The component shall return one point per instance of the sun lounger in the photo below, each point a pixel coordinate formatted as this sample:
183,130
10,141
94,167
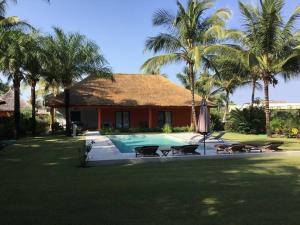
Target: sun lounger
223,148
217,137
146,151
272,146
185,149
209,137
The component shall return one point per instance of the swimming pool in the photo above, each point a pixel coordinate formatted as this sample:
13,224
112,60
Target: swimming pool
127,143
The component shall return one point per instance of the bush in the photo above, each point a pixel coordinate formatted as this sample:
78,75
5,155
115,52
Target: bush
181,129
277,125
6,128
247,121
285,123
167,128
57,126
216,123
7,125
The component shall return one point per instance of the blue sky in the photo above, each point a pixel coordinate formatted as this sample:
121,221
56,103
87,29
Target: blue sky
120,27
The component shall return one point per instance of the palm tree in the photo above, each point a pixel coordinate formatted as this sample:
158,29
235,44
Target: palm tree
230,74
10,21
73,56
270,41
188,33
184,78
11,64
34,69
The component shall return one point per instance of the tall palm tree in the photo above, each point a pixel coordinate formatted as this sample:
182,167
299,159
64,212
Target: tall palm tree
187,35
270,41
73,56
34,68
11,64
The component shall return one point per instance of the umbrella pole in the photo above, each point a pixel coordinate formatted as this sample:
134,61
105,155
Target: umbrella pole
204,144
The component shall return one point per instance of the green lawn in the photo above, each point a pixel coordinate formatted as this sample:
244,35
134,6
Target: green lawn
289,143
41,184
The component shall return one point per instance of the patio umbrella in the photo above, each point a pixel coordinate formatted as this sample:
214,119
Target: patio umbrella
203,121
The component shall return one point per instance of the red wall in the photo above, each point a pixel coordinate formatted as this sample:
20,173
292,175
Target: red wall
181,116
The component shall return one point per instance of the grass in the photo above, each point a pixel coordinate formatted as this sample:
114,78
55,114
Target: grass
42,184
289,143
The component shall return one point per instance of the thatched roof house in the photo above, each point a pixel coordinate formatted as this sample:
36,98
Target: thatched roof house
8,108
130,100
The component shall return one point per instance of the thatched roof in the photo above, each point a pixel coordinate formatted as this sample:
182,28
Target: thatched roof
8,97
127,90
2,101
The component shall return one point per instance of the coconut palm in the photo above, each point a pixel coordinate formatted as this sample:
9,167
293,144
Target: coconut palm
10,21
73,56
187,35
230,74
270,41
11,64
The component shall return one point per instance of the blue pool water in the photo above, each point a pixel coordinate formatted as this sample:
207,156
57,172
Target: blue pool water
127,143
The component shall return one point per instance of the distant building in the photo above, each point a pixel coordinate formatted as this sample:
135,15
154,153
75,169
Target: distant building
274,105
7,108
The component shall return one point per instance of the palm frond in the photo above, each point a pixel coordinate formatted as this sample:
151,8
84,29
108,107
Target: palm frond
163,42
161,60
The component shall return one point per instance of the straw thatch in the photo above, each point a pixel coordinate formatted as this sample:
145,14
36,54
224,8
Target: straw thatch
8,97
2,101
127,90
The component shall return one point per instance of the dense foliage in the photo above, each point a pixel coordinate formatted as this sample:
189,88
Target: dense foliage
6,125
247,121
285,123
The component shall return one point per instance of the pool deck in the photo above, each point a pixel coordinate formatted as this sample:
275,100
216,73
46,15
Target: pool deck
105,152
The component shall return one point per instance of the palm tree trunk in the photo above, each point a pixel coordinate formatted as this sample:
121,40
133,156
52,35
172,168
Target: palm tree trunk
52,115
226,108
33,107
16,83
192,88
267,107
253,93
67,111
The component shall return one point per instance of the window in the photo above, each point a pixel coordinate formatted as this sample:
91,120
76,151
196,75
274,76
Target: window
164,117
75,116
122,120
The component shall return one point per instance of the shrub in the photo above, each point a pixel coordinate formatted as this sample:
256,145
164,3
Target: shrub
167,128
216,123
181,129
6,128
57,127
277,125
285,123
7,125
247,121
83,154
